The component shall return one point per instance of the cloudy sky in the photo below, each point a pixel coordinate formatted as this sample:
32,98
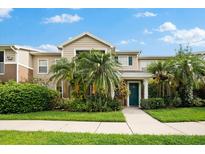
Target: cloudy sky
152,31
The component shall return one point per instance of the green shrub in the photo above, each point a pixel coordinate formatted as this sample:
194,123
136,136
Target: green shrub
152,90
26,97
198,102
94,103
102,103
176,102
76,105
152,103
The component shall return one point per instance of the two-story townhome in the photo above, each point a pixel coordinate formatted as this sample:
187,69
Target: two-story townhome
23,64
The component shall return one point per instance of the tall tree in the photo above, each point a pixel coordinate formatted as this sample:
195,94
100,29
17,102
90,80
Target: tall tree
99,69
63,70
188,70
162,77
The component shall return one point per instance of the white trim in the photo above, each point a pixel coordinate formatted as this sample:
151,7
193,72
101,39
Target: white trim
3,63
10,62
62,55
25,66
83,34
17,66
139,91
47,66
62,86
89,49
17,61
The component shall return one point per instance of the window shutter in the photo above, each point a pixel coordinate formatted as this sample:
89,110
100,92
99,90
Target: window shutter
130,60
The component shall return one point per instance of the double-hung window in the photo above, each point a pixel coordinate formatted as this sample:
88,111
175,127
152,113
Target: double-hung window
125,60
43,66
1,62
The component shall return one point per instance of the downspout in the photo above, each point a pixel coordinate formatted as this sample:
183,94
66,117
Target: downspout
17,65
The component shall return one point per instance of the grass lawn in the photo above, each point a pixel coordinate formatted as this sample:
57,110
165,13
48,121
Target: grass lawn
50,138
67,116
178,114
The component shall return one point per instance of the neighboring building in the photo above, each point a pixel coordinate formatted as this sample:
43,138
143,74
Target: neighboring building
23,64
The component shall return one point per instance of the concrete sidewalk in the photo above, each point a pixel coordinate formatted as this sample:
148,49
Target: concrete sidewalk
138,122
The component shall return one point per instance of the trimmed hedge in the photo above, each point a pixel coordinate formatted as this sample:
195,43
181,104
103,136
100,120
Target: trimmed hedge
152,103
26,97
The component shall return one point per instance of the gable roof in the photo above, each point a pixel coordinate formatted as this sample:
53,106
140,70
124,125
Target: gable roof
26,48
84,34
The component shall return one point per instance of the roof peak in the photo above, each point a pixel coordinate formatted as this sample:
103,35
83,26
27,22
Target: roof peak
83,34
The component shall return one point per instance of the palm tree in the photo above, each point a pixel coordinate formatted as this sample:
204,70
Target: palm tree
99,69
162,77
188,70
63,70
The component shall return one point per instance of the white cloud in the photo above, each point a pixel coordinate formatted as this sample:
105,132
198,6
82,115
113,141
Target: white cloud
5,13
167,39
146,31
124,42
47,47
142,43
167,26
145,14
194,37
63,18
129,41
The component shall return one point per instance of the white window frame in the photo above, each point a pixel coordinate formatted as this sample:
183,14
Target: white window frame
39,66
3,62
75,49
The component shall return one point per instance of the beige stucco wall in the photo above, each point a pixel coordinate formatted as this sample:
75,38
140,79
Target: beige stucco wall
51,60
25,58
85,42
134,65
143,63
10,56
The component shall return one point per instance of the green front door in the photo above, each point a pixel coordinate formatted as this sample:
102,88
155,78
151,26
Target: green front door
134,94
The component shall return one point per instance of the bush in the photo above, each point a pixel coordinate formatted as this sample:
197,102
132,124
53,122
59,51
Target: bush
102,103
172,102
75,105
152,90
198,102
152,103
94,103
26,97
176,102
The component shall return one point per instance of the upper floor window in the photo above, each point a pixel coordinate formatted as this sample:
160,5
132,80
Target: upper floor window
125,60
1,62
43,66
130,60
